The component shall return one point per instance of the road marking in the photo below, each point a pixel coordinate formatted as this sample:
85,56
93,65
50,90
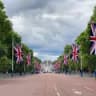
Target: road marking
58,94
90,89
73,89
55,88
78,92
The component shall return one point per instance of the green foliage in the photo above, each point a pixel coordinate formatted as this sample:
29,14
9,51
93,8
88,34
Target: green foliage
1,5
3,50
7,35
5,64
37,59
67,49
88,61
83,41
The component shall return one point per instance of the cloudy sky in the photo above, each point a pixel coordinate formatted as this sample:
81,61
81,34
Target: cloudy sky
47,26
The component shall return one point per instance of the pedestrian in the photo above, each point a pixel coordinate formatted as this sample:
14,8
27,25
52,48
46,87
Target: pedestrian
81,72
95,73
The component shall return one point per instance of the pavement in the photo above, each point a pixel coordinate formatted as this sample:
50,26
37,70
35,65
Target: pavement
48,84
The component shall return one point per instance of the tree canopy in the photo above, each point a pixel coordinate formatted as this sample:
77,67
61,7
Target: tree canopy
88,61
7,35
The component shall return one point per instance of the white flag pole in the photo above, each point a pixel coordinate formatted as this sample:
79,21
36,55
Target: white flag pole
12,54
81,62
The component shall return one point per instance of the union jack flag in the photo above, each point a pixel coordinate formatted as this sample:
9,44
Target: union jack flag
57,65
18,54
75,52
65,59
93,38
37,65
28,57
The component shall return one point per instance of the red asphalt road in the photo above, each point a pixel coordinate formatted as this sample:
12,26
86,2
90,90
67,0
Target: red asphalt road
48,85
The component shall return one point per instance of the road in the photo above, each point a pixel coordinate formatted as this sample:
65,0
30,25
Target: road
48,85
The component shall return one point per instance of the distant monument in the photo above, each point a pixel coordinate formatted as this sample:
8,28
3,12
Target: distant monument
47,66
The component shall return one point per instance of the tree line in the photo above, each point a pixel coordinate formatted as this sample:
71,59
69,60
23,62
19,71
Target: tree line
7,34
88,60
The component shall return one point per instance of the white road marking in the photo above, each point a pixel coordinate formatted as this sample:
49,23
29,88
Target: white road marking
89,89
55,88
73,89
57,93
78,92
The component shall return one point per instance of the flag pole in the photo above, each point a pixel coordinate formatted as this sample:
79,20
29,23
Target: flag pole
81,69
12,54
81,62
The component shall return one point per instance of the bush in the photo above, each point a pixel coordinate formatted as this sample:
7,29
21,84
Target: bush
5,64
89,62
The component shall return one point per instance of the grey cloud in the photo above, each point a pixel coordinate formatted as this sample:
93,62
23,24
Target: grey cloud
14,7
48,25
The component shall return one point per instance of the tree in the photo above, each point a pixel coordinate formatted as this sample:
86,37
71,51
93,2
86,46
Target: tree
68,49
7,36
5,64
84,43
